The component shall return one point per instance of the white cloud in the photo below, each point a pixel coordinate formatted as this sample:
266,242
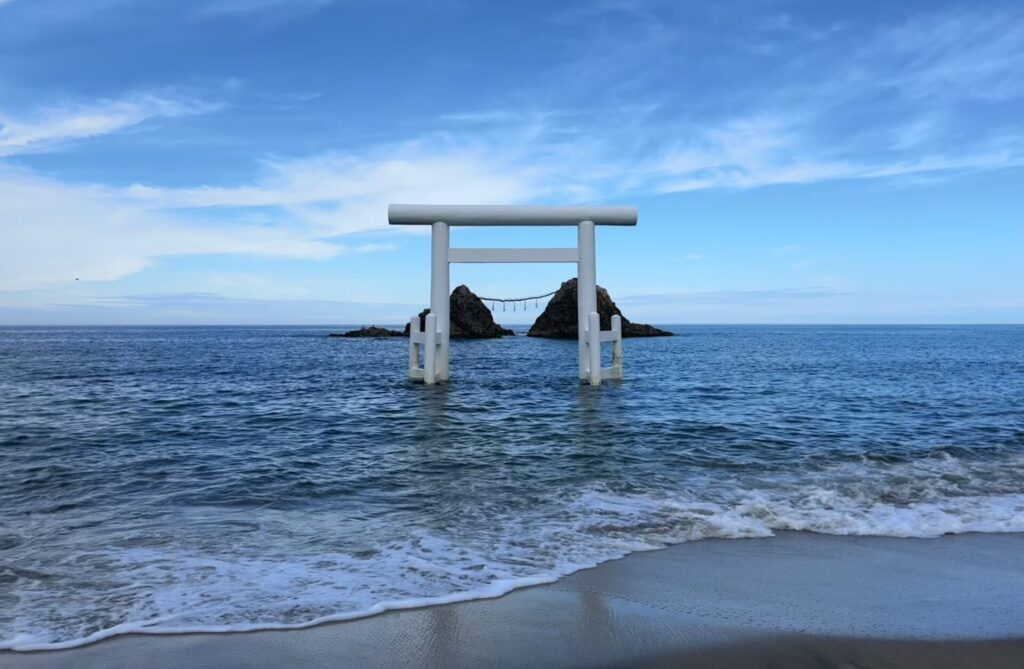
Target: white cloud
52,126
414,172
373,248
338,194
55,233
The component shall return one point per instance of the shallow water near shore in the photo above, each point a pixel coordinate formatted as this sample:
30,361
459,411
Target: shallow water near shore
168,479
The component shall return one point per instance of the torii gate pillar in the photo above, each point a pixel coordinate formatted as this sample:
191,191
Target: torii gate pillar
435,334
586,295
439,290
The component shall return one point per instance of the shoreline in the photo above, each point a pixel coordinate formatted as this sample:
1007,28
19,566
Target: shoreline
798,597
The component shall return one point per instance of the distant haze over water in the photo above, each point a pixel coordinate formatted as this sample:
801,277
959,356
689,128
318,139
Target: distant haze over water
169,479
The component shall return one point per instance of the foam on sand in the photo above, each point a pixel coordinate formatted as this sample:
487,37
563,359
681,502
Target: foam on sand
278,583
801,598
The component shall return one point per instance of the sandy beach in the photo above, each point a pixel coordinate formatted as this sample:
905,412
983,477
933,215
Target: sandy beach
794,600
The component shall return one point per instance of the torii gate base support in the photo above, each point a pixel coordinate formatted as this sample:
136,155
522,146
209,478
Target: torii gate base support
432,338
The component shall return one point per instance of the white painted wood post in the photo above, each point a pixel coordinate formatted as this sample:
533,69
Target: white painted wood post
414,347
617,346
430,350
439,290
594,347
586,288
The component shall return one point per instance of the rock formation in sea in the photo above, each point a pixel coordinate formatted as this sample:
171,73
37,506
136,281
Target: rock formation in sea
470,318
371,331
559,320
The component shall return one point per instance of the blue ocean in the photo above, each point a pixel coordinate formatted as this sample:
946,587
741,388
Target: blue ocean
172,479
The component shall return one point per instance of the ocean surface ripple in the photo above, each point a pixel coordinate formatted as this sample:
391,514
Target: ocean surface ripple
172,479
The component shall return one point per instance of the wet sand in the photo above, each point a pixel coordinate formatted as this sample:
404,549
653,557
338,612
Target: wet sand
795,600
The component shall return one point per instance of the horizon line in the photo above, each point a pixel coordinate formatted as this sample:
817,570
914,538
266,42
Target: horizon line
403,324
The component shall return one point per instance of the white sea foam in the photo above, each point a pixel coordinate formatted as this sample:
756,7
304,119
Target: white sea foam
279,582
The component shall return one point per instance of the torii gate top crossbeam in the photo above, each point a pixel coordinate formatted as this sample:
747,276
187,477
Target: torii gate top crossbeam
496,215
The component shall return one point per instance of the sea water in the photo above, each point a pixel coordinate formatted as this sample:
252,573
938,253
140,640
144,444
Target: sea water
173,479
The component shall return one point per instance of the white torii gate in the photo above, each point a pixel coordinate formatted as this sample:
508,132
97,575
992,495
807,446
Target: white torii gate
433,338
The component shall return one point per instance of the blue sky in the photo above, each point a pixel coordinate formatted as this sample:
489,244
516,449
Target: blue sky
231,161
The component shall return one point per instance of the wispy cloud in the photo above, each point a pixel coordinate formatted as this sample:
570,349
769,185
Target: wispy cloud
952,54
53,126
485,116
888,103
891,101
751,153
56,233
236,7
597,131
298,207
337,194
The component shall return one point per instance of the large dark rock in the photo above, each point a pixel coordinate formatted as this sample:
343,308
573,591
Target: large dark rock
372,331
470,318
559,320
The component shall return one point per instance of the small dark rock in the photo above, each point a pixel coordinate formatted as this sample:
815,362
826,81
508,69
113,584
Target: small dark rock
372,331
559,320
470,318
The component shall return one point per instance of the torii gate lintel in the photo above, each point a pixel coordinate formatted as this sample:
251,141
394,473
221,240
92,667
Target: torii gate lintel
434,336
